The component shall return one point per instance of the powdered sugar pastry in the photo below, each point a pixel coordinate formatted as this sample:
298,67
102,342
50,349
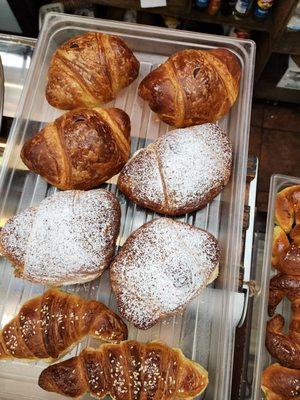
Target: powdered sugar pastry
160,268
69,238
181,171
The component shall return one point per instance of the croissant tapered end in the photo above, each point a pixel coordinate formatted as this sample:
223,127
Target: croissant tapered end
285,348
66,378
81,149
108,326
233,66
280,245
127,371
287,207
193,381
280,383
36,156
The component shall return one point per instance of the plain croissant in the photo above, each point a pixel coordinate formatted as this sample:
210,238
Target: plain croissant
89,70
81,149
48,325
284,347
193,87
127,371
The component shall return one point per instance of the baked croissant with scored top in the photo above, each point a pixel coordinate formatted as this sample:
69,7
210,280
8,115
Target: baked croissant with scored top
89,70
127,371
81,149
47,326
193,87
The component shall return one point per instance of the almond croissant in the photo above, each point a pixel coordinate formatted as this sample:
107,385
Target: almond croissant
89,70
48,325
127,371
193,87
81,149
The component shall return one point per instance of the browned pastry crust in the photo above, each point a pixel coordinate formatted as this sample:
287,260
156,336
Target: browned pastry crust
48,325
127,371
81,149
280,247
280,383
285,348
89,70
283,285
287,207
193,86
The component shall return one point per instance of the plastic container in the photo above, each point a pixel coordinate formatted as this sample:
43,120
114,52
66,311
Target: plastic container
262,357
205,331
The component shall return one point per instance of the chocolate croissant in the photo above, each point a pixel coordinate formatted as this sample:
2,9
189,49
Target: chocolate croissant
81,149
127,371
280,383
89,70
193,87
49,325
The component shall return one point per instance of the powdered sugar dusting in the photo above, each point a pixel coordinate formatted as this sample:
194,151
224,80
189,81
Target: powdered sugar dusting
195,165
142,174
14,235
72,237
194,161
161,267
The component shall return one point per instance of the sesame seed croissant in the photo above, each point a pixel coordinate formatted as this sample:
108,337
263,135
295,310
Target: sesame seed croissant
127,371
48,325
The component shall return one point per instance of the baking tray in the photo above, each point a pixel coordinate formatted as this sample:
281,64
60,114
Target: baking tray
205,331
262,358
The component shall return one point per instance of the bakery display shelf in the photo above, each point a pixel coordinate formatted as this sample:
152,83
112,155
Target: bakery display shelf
205,330
262,359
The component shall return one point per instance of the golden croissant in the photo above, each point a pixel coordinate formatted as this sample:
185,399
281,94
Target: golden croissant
280,383
49,325
81,149
89,70
193,87
127,371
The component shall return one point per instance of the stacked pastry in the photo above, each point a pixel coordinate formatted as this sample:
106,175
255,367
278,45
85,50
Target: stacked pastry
283,379
71,236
